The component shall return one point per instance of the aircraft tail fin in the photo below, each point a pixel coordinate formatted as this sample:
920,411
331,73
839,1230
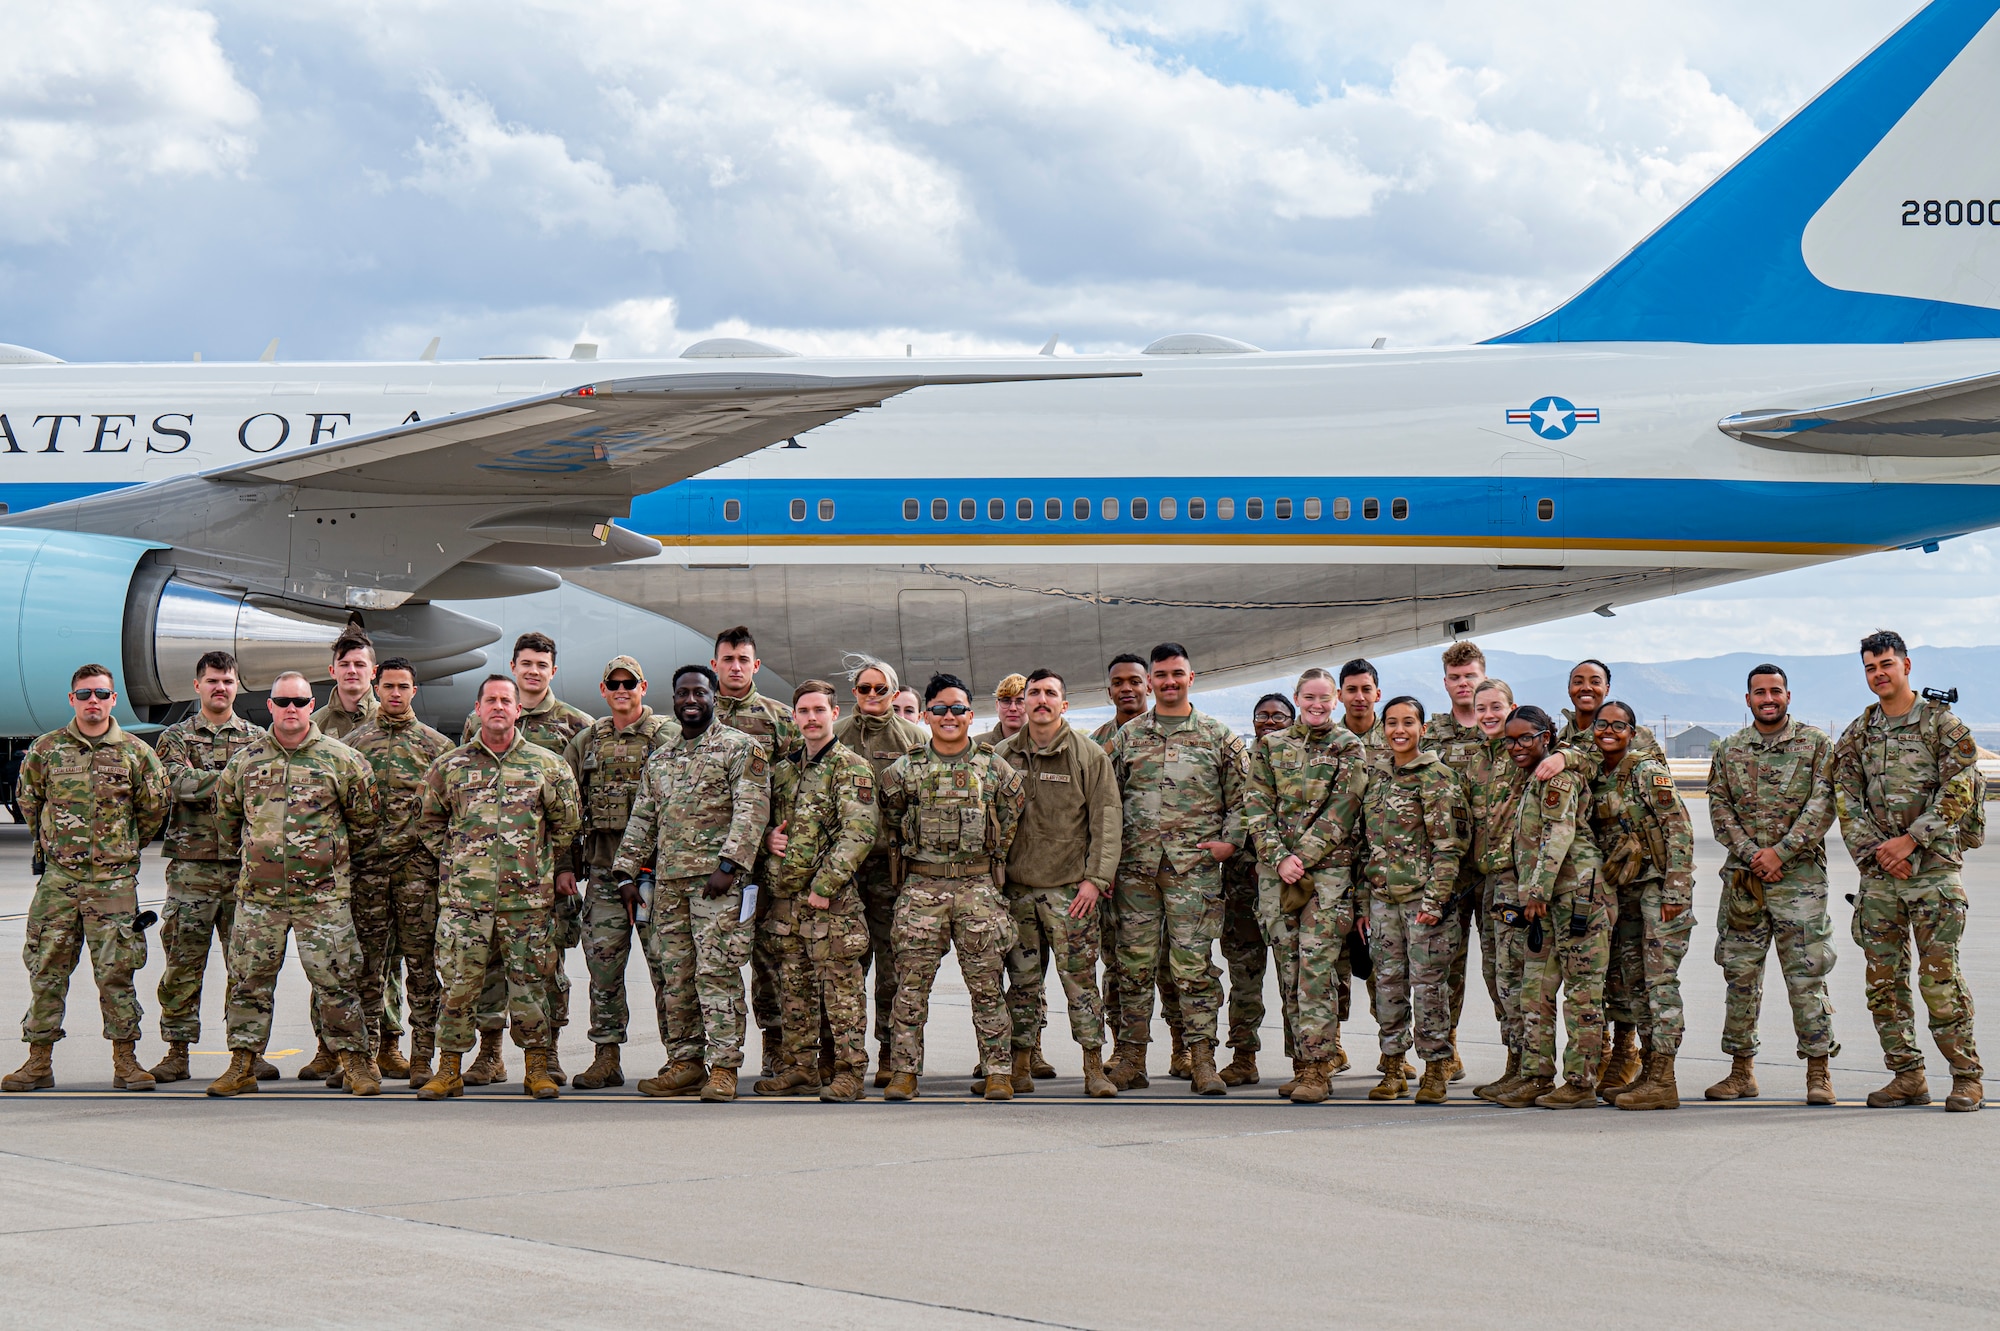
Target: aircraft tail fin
1850,222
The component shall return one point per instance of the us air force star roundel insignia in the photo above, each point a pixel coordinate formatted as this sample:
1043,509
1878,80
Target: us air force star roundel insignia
1552,417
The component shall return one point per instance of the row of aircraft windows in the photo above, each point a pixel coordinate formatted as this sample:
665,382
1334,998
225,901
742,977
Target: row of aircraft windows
1108,509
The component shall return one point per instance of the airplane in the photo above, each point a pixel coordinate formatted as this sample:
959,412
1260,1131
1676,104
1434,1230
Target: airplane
1802,364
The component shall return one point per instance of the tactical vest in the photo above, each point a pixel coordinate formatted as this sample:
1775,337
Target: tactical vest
946,818
612,763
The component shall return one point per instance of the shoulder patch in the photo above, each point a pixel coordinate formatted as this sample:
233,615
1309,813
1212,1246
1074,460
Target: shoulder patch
1552,797
1665,779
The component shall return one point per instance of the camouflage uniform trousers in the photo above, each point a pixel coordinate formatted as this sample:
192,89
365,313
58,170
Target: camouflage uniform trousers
931,915
878,904
1625,972
64,914
1662,1022
1043,928
1412,987
1170,997
1320,951
563,934
1794,919
474,940
201,904
607,951
409,893
1247,956
1504,950
819,975
1572,966
1180,915
697,949
328,950
1928,910
1471,924
767,990
1283,933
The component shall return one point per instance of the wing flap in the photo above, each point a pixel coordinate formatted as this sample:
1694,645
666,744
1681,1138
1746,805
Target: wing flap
1959,418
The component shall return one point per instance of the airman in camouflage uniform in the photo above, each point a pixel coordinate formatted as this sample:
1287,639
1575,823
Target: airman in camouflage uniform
93,801
703,803
298,814
1772,791
496,823
1493,786
1303,801
608,760
1466,750
1246,946
1907,789
825,819
201,873
952,818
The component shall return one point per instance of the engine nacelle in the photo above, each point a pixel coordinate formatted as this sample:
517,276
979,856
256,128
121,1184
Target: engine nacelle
63,597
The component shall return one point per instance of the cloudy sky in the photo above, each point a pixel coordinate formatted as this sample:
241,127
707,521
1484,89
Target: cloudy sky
356,178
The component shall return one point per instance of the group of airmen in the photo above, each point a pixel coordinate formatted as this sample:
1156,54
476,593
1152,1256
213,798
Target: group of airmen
1349,839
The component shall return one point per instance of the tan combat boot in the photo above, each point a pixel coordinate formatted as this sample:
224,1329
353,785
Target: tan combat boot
1905,1088
1968,1092
556,1073
1657,1089
1504,1080
1525,1092
720,1087
490,1064
1299,1066
449,1083
1313,1085
1569,1095
174,1067
37,1074
263,1069
603,1071
1203,1079
882,1073
360,1073
1457,1065
126,1074
1341,1062
792,1079
1740,1084
1023,1076
1127,1069
1819,1082
1179,1063
423,1048
1437,1077
241,1077
323,1065
844,1089
1393,1086
999,1086
1622,1066
1040,1066
1095,1084
535,1078
389,1060
678,1078
902,1086
1242,1069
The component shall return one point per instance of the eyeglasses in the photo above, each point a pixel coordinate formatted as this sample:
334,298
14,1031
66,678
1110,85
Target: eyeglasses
620,685
948,709
870,690
291,702
1521,741
1616,727
84,695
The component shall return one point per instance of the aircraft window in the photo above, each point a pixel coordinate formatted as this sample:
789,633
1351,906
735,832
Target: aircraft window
968,509
996,509
1108,509
1081,509
1024,509
938,510
1052,509
1253,509
1545,509
1138,508
910,510
1312,510
798,510
1341,510
1399,509
732,510
1371,509
1284,510
1225,509
1197,509
1168,508
826,510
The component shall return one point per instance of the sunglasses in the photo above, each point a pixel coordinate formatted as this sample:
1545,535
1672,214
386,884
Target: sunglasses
291,702
83,695
871,690
949,709
621,685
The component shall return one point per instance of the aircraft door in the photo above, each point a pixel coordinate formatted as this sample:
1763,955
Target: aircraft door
935,639
1527,506
717,532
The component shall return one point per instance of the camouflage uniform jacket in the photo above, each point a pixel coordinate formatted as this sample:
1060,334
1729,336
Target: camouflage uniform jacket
700,801
496,824
1182,785
93,802
1374,744
1418,827
829,811
194,754
1644,742
881,740
550,724
956,810
765,720
1461,747
1553,849
1072,824
1304,796
1899,775
993,739
1772,791
298,814
401,750
336,722
1637,818
608,763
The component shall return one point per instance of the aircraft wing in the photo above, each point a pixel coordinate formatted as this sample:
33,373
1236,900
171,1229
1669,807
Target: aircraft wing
614,439
1959,418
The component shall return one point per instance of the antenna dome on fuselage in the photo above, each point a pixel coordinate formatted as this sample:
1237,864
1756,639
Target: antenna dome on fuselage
732,348
1198,344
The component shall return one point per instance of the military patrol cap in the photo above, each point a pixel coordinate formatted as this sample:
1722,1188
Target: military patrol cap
625,663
